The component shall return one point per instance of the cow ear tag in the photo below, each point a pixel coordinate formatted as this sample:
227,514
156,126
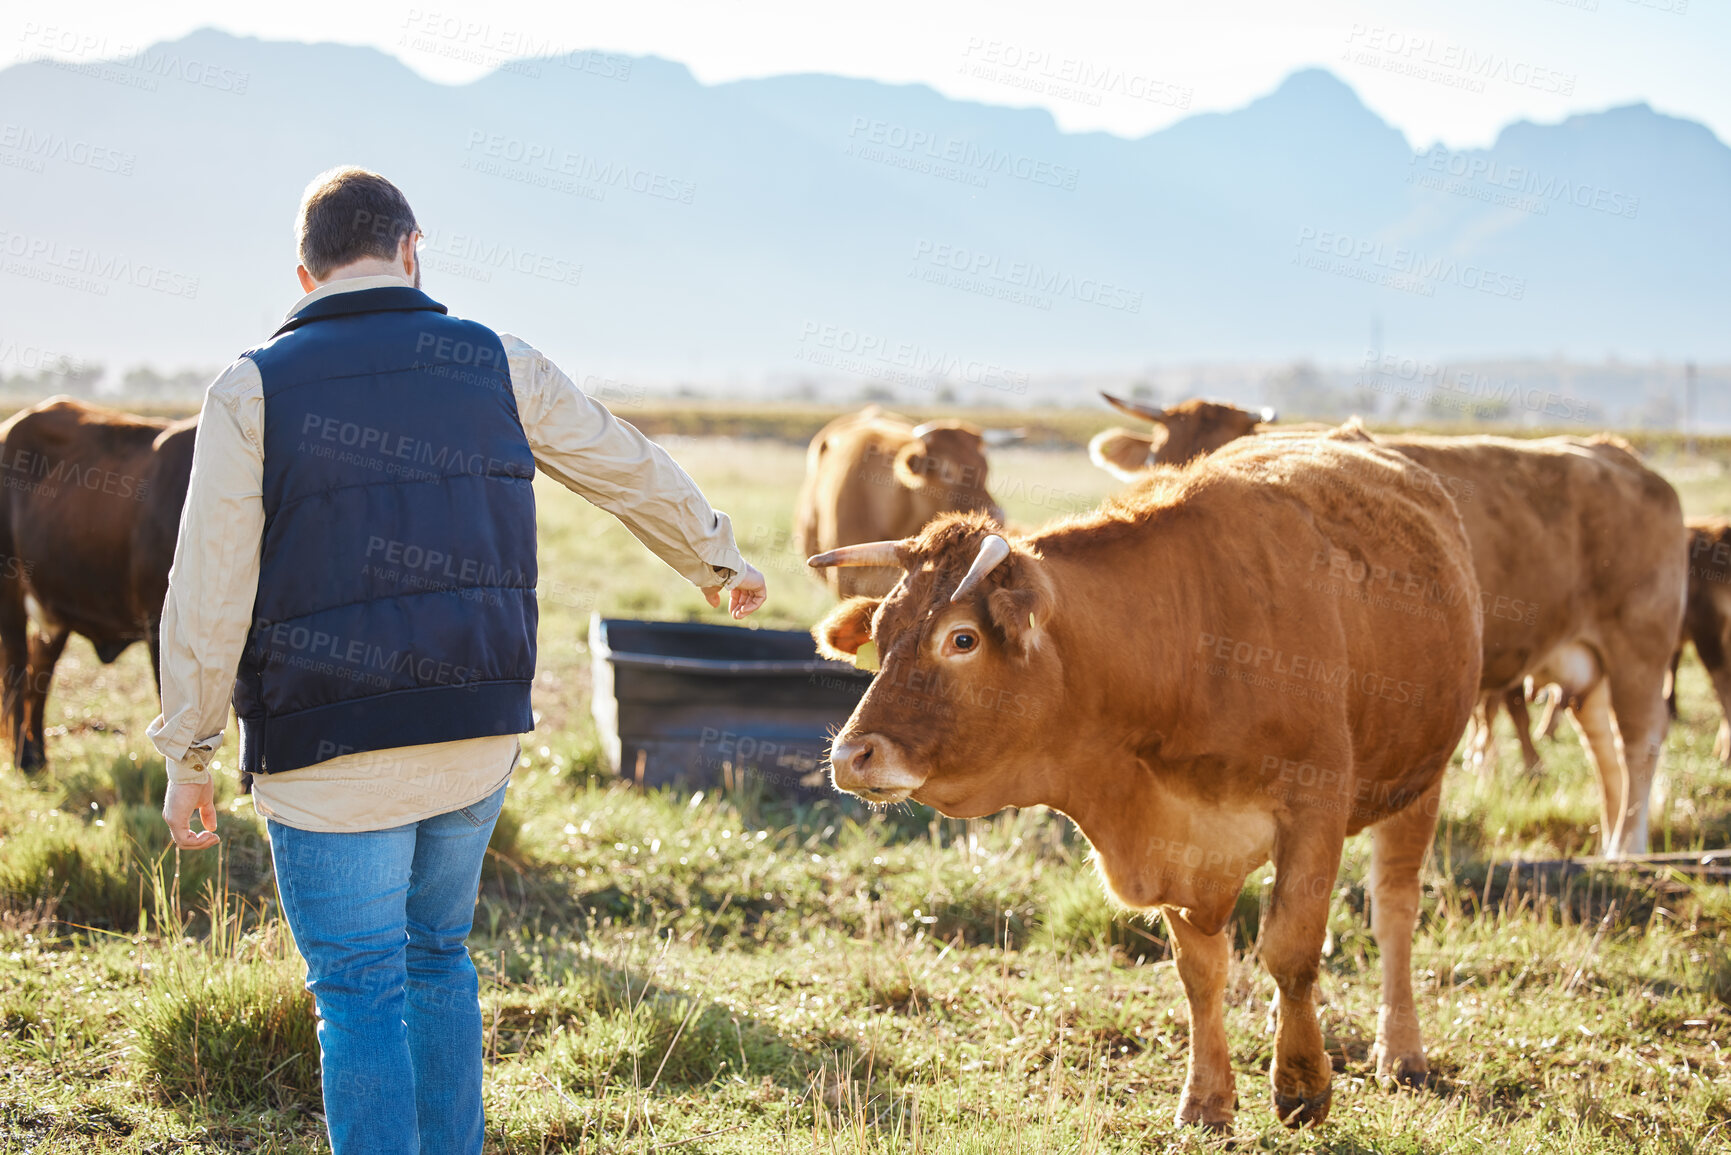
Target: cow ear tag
866,657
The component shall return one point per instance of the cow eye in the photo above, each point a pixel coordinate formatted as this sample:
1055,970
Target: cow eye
963,640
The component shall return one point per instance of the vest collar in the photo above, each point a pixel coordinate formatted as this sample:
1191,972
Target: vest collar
386,299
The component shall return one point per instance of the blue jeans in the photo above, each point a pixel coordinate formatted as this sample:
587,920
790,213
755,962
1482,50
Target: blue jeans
381,918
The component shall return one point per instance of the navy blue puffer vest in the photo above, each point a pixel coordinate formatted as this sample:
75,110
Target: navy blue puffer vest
396,595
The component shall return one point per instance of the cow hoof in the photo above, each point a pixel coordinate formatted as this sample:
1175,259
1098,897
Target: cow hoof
32,763
1302,1110
1212,1112
1409,1070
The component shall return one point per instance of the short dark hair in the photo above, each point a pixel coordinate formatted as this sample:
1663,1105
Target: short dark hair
348,214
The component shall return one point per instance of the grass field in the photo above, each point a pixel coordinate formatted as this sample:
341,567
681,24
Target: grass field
738,974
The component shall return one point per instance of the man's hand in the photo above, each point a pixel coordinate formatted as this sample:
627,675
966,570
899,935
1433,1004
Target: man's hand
748,593
177,806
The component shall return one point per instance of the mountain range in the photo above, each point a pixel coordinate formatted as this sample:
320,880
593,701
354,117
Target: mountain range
639,225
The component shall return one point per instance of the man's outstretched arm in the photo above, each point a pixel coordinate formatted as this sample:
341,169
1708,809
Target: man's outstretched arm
580,444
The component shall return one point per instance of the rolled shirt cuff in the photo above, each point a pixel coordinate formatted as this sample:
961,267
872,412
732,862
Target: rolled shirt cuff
725,568
193,768
182,774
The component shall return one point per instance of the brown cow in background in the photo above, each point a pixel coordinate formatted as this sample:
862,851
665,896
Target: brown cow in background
872,475
88,519
1581,557
1169,673
1707,620
1184,431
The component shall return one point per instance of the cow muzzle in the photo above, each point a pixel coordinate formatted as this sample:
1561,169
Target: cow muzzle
874,768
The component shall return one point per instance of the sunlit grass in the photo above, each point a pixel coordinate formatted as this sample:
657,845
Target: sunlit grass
741,974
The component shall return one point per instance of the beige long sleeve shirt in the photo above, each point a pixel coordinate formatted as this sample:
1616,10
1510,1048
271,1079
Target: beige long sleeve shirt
214,581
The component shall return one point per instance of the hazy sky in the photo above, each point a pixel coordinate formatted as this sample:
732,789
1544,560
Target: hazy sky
1453,71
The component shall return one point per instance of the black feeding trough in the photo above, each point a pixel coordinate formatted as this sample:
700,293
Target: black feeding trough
702,705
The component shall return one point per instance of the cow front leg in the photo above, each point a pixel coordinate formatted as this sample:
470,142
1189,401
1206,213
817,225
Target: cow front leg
1399,845
15,645
1306,862
1210,1097
45,650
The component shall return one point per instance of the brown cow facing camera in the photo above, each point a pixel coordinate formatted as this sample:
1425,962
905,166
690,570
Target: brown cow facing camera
88,518
873,475
1192,676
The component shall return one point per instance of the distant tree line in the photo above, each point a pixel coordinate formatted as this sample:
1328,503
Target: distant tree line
86,379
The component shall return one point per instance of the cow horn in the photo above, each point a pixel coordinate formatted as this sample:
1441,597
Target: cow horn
866,553
923,428
993,550
1135,408
1269,415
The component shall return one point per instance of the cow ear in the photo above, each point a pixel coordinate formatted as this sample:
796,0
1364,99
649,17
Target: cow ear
1121,452
845,629
910,466
1022,608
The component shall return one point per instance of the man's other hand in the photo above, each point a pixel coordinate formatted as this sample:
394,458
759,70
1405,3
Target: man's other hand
746,594
177,809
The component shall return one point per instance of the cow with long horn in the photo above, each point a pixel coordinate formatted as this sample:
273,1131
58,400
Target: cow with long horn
1194,676
872,475
1181,432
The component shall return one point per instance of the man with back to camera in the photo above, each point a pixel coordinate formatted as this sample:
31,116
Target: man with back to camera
356,566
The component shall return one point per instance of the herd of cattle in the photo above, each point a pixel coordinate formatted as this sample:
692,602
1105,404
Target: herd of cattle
1272,638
